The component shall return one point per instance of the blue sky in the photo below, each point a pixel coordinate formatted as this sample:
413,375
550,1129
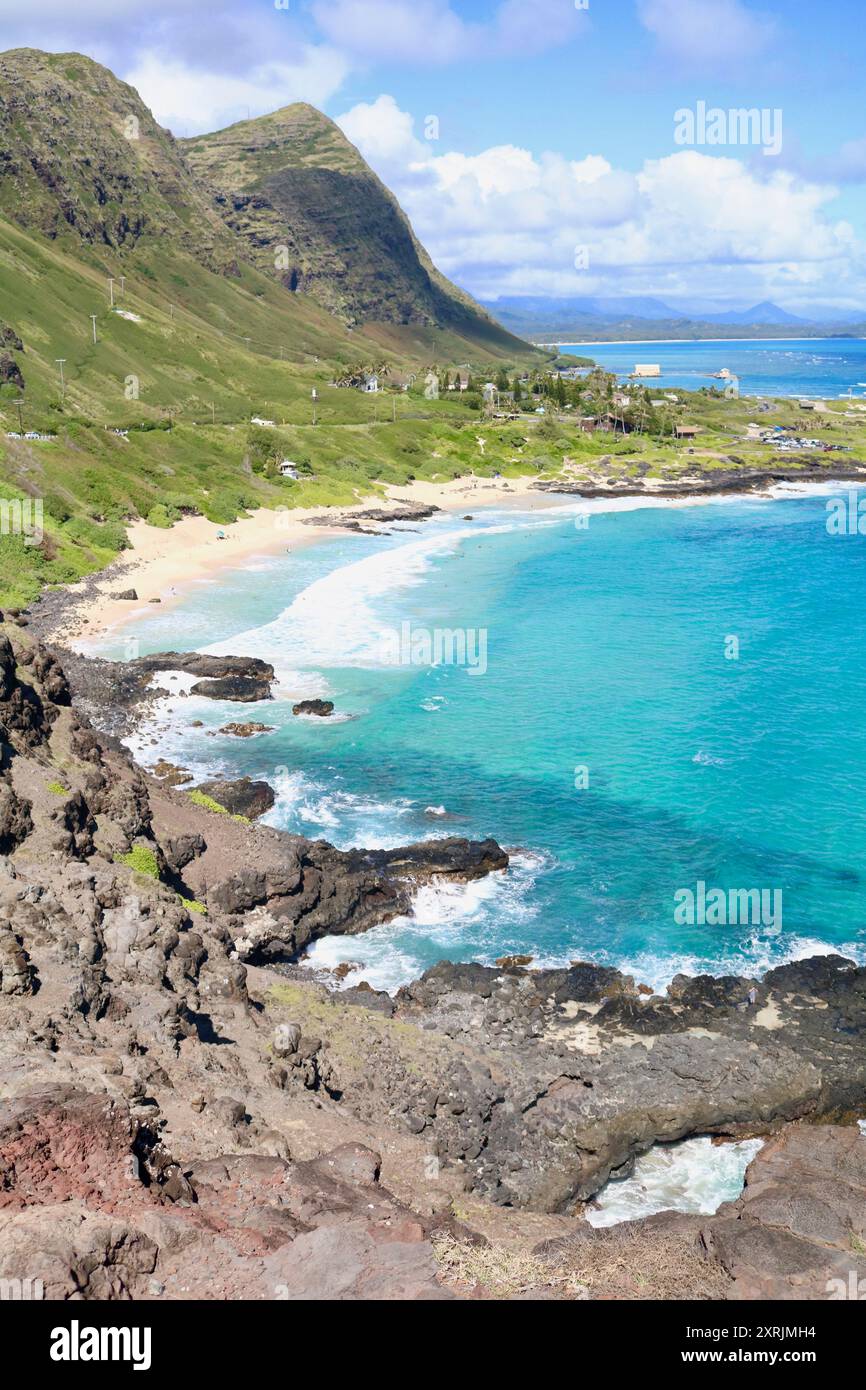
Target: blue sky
540,146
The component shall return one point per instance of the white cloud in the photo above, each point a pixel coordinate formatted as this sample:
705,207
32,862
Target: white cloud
430,32
196,66
190,101
384,133
394,30
509,221
711,33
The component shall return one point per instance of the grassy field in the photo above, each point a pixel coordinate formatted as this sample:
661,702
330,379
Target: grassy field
92,481
203,353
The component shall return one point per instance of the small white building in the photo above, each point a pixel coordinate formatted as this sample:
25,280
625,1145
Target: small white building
289,469
644,369
266,424
370,384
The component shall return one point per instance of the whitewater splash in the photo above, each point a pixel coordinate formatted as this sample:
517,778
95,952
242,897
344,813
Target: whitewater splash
695,1175
311,807
333,621
395,954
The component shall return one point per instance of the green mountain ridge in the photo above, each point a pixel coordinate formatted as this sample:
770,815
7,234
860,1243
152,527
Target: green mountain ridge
85,164
313,212
83,161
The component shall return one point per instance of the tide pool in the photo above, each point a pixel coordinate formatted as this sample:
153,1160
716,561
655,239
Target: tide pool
672,696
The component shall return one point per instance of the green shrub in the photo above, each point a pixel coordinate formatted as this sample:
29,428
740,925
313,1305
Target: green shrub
193,905
141,860
206,802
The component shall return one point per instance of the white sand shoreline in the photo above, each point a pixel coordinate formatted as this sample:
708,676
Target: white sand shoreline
162,564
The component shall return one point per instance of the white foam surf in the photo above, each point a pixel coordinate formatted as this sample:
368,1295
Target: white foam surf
695,1175
494,909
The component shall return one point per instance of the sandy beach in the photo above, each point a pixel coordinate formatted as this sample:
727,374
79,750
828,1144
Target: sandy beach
160,564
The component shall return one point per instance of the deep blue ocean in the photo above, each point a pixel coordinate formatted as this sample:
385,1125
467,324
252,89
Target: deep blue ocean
825,368
672,695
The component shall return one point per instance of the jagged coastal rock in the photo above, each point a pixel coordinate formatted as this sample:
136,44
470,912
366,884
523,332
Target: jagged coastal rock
242,797
322,708
152,1005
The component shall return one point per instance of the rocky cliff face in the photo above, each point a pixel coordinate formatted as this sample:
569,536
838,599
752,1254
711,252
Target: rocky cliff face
189,1114
312,211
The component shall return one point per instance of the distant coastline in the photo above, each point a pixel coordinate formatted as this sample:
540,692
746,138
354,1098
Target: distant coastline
624,342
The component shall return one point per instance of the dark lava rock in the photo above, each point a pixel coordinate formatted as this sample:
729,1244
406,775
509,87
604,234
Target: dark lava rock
241,690
10,372
462,858
368,998
211,667
128,595
180,850
10,339
243,730
15,820
321,707
243,797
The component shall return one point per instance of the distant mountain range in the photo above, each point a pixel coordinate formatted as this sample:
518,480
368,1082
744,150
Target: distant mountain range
642,316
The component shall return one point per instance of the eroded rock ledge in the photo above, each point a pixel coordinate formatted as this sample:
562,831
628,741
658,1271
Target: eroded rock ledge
149,1008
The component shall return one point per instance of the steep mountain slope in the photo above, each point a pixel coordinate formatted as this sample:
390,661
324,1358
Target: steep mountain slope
83,163
313,211
84,160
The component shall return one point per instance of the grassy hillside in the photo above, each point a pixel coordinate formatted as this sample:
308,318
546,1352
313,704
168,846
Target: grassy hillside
84,162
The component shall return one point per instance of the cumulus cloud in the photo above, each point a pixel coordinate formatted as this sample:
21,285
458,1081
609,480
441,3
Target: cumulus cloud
189,101
384,133
849,164
710,33
508,221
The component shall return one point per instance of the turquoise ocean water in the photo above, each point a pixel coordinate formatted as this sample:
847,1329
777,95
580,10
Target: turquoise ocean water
610,744
819,367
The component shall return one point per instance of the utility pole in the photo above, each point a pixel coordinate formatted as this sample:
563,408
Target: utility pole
19,402
122,286
315,395
281,352
93,320
111,289
212,413
394,409
60,361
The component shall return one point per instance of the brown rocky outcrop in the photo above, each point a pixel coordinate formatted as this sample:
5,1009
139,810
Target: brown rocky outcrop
242,797
147,978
